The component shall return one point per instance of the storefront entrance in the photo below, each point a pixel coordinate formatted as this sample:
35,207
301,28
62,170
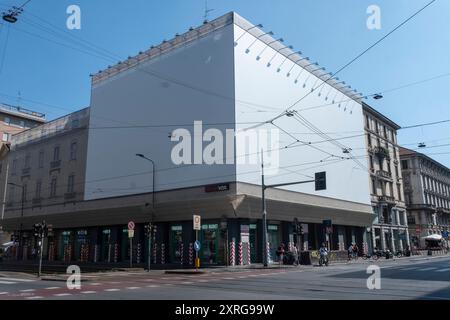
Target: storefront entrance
253,243
273,239
65,241
176,239
105,245
81,240
209,238
124,245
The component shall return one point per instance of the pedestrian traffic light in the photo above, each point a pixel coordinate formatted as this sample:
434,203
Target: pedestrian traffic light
321,181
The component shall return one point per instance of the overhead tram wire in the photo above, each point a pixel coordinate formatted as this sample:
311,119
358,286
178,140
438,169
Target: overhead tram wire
352,61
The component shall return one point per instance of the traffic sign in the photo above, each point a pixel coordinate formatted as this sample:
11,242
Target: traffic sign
131,225
197,245
130,233
197,222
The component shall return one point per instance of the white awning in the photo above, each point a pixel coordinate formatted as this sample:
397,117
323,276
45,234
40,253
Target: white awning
433,237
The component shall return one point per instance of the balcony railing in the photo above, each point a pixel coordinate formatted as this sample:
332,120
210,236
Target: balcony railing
386,199
70,195
384,174
55,164
26,171
381,152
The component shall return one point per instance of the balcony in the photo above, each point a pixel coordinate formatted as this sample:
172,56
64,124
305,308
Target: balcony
70,195
55,164
26,171
381,152
386,199
384,175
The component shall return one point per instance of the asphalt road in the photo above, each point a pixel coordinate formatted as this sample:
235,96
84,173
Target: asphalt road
400,280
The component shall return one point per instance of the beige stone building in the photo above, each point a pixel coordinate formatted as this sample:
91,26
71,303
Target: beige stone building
13,120
427,192
390,227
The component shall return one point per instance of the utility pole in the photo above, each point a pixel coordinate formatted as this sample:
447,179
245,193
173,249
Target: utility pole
40,232
320,181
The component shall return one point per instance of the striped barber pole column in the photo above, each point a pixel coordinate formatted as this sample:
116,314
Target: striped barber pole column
116,252
155,249
181,253
163,253
248,254
232,254
269,258
240,261
365,247
191,254
138,253
96,253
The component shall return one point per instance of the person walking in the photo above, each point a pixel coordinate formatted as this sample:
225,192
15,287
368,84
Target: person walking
355,251
280,253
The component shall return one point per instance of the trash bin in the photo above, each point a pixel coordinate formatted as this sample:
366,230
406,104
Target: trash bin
305,258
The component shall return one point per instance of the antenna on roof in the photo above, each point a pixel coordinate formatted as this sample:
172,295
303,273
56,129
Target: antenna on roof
207,11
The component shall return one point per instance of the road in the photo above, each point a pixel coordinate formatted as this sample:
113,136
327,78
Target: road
402,279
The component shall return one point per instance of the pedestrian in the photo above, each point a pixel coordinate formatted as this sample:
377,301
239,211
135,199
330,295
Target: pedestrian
295,254
350,252
280,253
355,251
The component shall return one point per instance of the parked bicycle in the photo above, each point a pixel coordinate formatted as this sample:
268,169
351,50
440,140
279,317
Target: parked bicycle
371,256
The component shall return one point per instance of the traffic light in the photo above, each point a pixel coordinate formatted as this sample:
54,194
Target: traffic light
148,230
321,181
36,230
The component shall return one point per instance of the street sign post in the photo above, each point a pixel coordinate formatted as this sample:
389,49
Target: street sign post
197,222
131,226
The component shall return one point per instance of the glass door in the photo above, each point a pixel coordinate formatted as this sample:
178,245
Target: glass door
209,238
253,243
106,237
272,237
176,239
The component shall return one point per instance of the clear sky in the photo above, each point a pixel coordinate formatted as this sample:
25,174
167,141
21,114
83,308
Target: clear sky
54,78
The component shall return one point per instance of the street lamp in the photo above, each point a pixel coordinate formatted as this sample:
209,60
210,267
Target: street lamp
21,214
153,207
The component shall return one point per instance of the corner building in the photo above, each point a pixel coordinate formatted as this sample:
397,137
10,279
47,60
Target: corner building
230,75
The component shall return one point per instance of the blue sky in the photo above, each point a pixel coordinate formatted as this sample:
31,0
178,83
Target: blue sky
54,79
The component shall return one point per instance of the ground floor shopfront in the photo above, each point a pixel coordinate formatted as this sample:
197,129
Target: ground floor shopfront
223,242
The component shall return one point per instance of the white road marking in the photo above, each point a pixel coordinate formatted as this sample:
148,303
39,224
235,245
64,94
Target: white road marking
443,270
149,280
7,282
88,292
133,288
228,278
186,282
153,286
95,284
27,290
112,290
17,279
35,297
3,293
203,280
52,288
427,269
62,294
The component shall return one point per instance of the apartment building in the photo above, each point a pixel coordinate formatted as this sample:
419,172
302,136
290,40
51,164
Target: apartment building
390,227
46,170
13,119
427,194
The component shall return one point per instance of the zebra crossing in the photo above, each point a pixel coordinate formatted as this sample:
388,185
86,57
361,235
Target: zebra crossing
12,281
425,269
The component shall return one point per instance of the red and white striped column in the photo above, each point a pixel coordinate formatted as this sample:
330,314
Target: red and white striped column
182,253
232,254
269,258
138,253
163,253
240,258
116,252
155,249
191,254
248,254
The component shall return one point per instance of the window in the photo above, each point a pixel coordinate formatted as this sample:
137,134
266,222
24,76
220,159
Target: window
369,140
25,189
73,151
7,120
53,187
26,164
404,164
56,153
70,184
11,193
14,167
374,187
6,136
75,123
38,190
41,159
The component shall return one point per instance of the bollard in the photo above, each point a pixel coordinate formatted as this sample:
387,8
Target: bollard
191,254
138,253
116,252
155,247
248,253
232,254
181,253
240,260
163,255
